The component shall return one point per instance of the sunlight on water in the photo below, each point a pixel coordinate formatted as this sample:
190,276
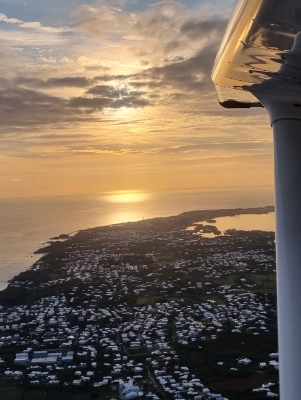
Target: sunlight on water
247,222
127,196
28,222
126,216
242,222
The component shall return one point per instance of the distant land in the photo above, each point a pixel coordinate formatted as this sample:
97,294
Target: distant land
181,221
152,307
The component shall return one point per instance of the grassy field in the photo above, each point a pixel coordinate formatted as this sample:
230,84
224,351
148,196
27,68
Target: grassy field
148,299
10,391
35,395
181,298
265,283
102,395
152,299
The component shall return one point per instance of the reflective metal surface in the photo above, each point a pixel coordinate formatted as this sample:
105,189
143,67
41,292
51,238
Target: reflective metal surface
259,35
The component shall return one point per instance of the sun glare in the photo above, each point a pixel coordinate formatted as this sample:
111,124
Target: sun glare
127,216
127,196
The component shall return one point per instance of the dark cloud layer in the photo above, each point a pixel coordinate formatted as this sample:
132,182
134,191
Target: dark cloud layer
78,81
22,106
99,103
68,81
186,74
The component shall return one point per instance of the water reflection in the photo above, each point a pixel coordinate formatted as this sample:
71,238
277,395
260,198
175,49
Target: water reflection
209,235
243,222
126,216
26,223
247,222
127,196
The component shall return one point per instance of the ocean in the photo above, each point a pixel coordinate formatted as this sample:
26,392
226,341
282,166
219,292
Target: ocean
28,222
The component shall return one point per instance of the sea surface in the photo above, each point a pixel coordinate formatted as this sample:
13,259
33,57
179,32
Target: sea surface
27,223
244,222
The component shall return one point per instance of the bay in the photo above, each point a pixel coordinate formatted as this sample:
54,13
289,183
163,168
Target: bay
247,222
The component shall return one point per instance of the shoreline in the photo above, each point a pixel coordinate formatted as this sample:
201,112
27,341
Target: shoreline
176,222
180,221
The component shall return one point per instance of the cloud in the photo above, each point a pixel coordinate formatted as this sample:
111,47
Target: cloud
192,73
159,59
31,25
22,106
109,98
187,41
7,20
67,81
195,29
112,91
183,44
166,26
208,150
222,145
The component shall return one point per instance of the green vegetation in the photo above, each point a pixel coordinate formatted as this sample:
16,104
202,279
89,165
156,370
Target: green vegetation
10,390
265,283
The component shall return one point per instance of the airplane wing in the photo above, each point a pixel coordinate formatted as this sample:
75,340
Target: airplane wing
258,36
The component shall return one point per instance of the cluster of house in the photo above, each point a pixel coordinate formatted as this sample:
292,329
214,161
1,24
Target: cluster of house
93,331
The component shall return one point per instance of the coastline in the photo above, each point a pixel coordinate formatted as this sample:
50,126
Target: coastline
180,221
28,223
162,224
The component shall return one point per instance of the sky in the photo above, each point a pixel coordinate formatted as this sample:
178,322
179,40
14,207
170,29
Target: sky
117,95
